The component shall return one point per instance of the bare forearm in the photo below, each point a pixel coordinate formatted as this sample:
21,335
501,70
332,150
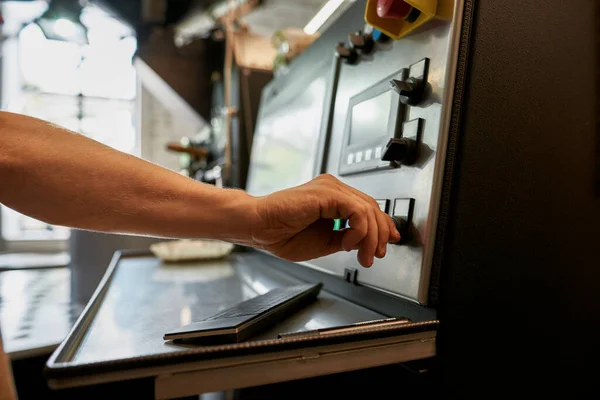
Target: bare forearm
66,179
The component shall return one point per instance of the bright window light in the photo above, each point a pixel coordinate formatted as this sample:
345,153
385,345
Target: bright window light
48,68
322,16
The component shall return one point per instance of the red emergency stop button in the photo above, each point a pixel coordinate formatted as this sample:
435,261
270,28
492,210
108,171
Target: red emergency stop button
397,9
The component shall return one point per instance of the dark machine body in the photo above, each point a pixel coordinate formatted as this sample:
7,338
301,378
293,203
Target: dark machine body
520,287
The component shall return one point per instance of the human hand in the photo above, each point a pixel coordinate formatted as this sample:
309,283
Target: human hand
297,224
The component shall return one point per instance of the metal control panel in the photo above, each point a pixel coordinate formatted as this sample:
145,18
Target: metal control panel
388,140
383,130
379,114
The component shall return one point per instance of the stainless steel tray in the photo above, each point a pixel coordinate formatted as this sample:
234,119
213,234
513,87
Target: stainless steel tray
119,334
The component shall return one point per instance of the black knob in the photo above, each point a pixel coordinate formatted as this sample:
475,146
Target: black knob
400,151
347,54
402,226
361,41
410,90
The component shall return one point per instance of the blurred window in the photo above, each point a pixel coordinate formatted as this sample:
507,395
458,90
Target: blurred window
88,88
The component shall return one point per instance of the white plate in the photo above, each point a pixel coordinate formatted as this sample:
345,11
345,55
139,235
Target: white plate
186,250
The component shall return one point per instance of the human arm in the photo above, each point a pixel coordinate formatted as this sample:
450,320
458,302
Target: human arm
64,178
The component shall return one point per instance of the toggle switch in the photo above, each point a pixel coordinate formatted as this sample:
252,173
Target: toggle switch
349,55
400,151
410,90
397,9
402,227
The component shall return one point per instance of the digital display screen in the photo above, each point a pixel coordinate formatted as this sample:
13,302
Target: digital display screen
370,119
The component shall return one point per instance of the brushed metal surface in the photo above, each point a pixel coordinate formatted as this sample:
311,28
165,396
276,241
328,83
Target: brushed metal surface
146,298
405,270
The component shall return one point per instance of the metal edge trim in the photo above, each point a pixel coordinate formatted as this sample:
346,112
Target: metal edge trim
299,366
327,117
448,178
67,348
228,362
423,295
72,372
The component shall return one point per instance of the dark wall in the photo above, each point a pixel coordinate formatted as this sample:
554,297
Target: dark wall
521,270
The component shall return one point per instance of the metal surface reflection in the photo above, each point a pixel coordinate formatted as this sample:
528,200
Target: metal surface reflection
288,131
147,298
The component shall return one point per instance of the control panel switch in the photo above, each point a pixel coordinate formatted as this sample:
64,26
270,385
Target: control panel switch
410,90
402,227
400,151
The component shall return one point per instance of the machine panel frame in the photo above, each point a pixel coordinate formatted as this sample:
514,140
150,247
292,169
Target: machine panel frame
374,146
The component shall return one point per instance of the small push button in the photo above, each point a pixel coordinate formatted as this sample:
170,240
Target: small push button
359,156
378,152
